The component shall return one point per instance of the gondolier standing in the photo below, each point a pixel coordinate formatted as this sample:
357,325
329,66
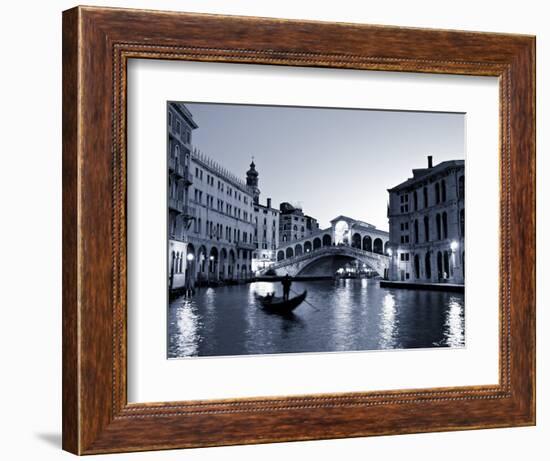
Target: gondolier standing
287,282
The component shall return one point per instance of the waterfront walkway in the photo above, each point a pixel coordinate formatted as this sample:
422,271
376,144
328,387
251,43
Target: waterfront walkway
423,286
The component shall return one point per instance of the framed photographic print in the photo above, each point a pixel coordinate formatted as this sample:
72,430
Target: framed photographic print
285,230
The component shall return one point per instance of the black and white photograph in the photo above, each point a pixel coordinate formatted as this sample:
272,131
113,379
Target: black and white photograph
313,229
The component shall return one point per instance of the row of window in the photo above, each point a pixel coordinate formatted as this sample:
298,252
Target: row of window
440,193
222,207
294,228
176,125
217,231
210,180
441,228
274,213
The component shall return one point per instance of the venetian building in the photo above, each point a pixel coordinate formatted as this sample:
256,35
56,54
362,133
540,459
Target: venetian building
211,218
266,225
180,214
427,225
294,224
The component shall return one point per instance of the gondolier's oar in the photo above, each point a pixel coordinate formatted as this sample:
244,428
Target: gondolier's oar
306,301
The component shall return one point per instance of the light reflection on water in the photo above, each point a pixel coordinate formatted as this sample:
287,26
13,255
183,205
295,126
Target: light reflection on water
345,315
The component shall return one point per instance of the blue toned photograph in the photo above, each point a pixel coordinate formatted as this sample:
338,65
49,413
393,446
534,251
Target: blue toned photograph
313,230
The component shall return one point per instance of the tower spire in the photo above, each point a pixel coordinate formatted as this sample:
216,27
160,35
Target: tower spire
252,181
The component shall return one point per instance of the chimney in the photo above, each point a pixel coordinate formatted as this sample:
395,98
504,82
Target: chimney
430,162
269,202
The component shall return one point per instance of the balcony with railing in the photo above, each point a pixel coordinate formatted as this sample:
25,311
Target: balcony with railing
176,167
176,204
189,212
246,245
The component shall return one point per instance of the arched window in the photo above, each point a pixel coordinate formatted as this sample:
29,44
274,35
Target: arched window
356,241
443,191
298,250
446,265
416,231
316,243
177,153
415,200
437,196
438,225
289,252
295,227
416,266
307,247
426,229
428,265
439,265
462,223
425,191
367,243
327,241
280,255
461,187
445,225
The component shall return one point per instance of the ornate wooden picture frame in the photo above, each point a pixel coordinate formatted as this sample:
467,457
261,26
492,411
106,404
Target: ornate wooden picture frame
97,44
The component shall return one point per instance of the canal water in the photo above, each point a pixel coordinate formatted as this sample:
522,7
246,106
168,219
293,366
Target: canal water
343,315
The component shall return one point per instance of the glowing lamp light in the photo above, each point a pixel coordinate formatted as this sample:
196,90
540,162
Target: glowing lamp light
211,258
454,245
190,257
390,252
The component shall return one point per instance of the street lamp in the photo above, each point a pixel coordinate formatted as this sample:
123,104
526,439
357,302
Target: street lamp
210,269
190,258
454,245
389,251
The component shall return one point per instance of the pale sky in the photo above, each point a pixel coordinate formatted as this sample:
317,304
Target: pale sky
331,161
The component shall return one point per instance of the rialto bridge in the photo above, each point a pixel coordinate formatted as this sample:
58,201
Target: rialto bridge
323,253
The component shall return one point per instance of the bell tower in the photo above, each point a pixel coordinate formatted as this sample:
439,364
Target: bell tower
252,181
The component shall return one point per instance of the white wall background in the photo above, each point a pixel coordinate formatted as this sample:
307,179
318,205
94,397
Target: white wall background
30,243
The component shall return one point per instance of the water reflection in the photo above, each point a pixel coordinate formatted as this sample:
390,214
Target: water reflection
388,323
454,324
347,315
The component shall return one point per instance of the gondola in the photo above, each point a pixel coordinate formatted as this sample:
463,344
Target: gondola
278,305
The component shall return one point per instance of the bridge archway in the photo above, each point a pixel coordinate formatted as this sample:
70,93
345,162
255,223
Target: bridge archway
307,247
341,233
356,240
316,243
280,255
327,240
329,265
367,243
378,246
298,250
289,252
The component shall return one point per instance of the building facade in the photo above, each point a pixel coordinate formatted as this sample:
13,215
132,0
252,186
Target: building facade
211,213
180,213
294,224
427,225
266,225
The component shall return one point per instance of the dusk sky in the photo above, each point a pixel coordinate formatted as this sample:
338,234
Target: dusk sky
329,161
